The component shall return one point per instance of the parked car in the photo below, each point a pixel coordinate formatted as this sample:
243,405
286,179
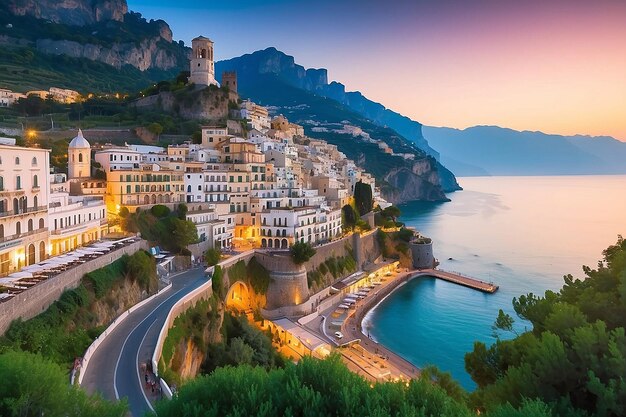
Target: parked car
338,335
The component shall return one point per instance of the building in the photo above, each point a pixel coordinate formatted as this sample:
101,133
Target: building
229,80
79,157
202,67
8,97
24,191
256,116
63,95
214,229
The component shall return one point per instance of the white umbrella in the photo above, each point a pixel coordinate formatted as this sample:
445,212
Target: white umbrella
20,275
34,268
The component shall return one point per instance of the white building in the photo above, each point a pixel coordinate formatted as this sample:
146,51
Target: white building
24,191
79,157
202,67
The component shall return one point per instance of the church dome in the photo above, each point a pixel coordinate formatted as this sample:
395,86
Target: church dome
79,141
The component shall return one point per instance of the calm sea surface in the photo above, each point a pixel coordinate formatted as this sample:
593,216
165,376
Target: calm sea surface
523,233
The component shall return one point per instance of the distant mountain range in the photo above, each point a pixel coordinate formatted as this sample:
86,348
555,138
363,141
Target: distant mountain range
492,150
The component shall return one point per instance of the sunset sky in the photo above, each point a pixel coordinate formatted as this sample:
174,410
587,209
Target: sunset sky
557,66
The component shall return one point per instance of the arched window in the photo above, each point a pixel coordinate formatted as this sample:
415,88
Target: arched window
35,181
30,225
17,160
41,223
18,181
34,162
73,158
35,201
80,157
18,228
1,184
1,230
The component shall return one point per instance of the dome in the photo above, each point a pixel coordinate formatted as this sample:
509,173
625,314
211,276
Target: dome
79,141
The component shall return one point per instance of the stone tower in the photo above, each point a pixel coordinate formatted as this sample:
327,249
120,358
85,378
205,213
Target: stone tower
202,67
79,157
229,79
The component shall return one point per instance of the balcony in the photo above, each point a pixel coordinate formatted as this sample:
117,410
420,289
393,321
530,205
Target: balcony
15,237
5,192
29,210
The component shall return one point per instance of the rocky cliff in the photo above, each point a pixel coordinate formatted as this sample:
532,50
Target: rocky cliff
270,61
71,12
98,30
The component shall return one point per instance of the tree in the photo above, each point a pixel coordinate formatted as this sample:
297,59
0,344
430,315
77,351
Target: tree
155,128
302,252
217,281
363,198
349,217
392,212
33,386
141,267
181,233
212,256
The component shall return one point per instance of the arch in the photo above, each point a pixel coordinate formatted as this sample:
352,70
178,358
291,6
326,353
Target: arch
16,206
1,183
277,243
35,181
146,199
30,225
284,244
239,297
42,251
154,199
41,224
80,157
18,228
73,158
160,198
34,162
167,198
1,230
35,201
263,243
203,53
17,160
270,243
30,259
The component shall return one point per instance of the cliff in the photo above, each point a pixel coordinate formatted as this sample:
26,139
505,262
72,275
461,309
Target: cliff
99,30
253,68
71,12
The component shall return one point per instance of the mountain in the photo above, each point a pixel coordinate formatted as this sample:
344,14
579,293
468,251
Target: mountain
492,150
50,37
283,71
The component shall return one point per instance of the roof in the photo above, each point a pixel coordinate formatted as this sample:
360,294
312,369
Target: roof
201,38
79,141
309,339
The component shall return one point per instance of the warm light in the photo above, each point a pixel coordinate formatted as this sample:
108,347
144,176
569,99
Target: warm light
31,133
117,208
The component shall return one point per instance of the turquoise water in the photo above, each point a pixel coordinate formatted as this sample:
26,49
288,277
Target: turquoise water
523,233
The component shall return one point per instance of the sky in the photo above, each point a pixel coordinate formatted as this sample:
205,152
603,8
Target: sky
558,66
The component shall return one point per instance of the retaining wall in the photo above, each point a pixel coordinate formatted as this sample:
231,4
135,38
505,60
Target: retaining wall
38,298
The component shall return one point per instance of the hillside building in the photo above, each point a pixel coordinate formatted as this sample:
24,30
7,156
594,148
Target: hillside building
202,66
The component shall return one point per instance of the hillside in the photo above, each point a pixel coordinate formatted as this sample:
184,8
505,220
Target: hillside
41,42
492,150
307,87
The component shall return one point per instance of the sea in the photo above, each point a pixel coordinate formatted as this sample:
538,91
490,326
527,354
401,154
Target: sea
522,233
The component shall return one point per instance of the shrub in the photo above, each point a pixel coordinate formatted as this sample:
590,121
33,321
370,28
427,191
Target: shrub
301,252
212,256
160,211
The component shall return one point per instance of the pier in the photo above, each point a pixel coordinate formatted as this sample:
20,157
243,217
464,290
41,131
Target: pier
460,279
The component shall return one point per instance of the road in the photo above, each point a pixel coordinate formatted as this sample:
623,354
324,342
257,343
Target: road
114,369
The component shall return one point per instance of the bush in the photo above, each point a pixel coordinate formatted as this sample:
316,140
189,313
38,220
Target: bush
258,276
212,256
160,211
217,281
301,252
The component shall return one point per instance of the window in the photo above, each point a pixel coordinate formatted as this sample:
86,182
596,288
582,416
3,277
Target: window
35,181
18,181
34,162
80,157
17,160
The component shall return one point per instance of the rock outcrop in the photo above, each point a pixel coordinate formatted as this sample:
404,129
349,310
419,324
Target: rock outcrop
148,54
71,12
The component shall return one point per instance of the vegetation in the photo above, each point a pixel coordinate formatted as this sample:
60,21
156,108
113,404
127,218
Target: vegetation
217,282
212,256
242,344
252,273
167,229
336,266
363,198
388,218
574,358
33,386
65,330
349,217
301,252
317,388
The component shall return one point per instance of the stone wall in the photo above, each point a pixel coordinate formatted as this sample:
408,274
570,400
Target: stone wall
37,299
288,285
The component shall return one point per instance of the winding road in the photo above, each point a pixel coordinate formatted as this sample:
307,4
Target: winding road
114,369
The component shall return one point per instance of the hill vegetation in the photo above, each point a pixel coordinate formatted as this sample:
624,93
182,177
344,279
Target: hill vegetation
575,356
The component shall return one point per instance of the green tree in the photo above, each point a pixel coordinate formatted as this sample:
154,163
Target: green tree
348,217
212,256
141,266
33,386
155,128
363,198
301,252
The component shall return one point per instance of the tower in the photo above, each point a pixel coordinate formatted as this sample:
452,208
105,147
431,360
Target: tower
229,79
202,67
79,157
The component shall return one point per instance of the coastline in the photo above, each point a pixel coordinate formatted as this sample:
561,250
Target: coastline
353,325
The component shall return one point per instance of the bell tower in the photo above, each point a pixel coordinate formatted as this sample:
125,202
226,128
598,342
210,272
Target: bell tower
202,66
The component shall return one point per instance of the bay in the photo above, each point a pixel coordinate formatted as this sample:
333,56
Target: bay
523,233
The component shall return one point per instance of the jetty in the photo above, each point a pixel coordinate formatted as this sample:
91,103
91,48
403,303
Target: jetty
461,279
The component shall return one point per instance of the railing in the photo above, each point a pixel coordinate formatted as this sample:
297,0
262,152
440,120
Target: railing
21,235
21,212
